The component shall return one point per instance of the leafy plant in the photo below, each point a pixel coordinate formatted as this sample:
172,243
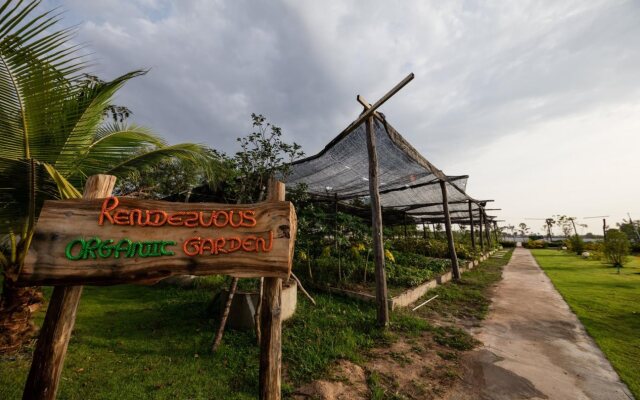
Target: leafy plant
263,154
53,137
576,244
617,248
535,244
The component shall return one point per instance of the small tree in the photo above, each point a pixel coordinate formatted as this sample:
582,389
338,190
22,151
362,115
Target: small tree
548,225
566,224
616,248
264,155
577,244
524,229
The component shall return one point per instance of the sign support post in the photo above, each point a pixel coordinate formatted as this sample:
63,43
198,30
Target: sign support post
51,348
104,240
271,322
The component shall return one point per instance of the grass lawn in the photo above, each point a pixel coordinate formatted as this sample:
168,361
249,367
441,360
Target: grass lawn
134,342
607,304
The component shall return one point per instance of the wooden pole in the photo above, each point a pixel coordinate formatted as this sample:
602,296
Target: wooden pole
424,230
472,227
480,222
376,224
487,230
604,229
270,380
335,221
404,222
51,348
455,269
365,116
225,315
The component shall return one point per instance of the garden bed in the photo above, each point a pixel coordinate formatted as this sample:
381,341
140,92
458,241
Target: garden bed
400,296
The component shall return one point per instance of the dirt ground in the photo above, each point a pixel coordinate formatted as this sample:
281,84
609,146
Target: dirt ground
534,347
411,368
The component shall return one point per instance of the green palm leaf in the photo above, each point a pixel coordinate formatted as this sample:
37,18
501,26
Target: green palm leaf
186,152
34,67
51,122
85,116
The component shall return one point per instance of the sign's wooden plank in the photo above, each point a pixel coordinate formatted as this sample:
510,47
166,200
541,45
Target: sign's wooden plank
122,240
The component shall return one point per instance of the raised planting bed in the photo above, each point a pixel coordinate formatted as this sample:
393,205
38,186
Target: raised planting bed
400,296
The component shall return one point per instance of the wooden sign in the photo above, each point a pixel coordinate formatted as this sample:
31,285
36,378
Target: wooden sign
121,240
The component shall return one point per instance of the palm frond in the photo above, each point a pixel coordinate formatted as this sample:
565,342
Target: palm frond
35,62
198,155
24,185
114,143
85,113
65,189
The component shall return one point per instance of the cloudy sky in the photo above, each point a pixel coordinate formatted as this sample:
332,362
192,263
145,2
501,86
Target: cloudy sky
538,101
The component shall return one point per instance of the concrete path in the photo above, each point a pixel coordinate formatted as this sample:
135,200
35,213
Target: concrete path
535,347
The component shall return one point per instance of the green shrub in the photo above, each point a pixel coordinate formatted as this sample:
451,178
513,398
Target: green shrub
576,244
617,248
594,247
463,252
507,245
426,247
410,269
535,244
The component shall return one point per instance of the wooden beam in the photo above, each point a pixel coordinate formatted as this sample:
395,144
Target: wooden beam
471,223
413,206
270,380
370,110
376,225
480,223
51,348
488,231
455,268
404,222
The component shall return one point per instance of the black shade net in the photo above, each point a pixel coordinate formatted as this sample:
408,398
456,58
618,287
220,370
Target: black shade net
408,183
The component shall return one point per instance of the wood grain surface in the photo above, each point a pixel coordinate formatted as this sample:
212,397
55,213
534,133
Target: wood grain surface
62,222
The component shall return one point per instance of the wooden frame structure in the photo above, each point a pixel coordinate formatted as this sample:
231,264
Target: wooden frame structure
48,359
428,173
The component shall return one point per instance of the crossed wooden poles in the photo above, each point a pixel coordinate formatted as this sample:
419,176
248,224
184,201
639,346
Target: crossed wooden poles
376,210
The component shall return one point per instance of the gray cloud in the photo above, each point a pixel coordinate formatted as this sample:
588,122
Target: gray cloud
484,70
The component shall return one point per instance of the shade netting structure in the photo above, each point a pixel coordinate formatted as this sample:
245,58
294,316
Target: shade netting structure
371,162
408,181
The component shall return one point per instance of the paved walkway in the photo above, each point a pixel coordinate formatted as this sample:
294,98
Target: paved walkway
535,347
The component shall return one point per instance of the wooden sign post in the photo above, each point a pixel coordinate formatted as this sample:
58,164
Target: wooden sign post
104,240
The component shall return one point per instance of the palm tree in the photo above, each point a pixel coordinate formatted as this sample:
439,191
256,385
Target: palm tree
53,137
548,224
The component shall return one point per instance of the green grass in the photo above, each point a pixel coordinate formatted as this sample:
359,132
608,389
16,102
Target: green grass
607,304
470,298
133,342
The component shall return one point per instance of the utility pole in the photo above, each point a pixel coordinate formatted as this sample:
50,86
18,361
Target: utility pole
635,228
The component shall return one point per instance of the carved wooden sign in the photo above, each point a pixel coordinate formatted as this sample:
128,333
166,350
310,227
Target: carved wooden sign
121,240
